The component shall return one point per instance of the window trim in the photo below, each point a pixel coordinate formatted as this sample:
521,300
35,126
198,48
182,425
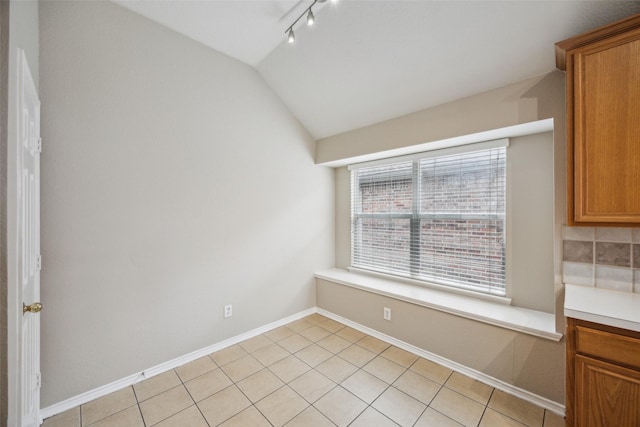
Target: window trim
503,294
505,300
464,148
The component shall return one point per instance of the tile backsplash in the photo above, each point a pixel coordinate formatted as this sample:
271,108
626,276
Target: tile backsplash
602,257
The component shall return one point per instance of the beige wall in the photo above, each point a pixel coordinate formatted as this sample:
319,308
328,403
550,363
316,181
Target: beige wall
538,170
174,182
23,34
531,363
533,99
530,222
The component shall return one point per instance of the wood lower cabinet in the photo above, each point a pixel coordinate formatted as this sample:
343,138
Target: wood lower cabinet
603,376
603,124
607,395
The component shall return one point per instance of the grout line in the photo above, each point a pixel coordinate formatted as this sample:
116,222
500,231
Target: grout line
263,415
234,383
138,405
455,421
420,416
484,411
141,416
113,414
190,395
202,414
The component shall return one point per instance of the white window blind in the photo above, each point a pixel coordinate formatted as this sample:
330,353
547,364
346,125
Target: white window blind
437,217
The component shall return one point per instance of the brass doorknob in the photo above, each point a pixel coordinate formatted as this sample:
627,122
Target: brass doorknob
33,308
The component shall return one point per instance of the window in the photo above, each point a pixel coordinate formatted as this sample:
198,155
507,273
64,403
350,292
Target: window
438,217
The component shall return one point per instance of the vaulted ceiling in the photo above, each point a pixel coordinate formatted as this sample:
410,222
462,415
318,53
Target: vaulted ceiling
365,61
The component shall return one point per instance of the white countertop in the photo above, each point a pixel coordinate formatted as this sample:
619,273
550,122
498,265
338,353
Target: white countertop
612,308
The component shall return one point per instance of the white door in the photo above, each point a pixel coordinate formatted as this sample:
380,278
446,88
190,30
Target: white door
28,256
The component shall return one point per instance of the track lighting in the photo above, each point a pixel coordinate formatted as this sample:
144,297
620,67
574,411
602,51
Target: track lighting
311,19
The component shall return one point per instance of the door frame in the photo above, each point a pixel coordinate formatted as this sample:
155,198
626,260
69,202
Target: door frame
4,105
14,402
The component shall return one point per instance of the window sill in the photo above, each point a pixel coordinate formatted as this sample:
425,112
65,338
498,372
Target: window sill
537,323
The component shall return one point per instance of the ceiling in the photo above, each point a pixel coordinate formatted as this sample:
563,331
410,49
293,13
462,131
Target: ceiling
366,61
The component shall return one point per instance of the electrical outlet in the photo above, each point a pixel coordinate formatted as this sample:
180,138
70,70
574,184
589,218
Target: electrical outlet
228,311
386,313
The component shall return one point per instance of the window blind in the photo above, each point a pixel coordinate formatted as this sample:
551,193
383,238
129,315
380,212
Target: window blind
439,217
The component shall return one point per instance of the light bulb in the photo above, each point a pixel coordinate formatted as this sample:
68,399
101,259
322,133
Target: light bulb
291,37
310,18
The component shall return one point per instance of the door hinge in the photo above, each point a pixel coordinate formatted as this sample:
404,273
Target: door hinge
39,262
38,379
39,145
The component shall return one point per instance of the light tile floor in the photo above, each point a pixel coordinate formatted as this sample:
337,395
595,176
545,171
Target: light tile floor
311,372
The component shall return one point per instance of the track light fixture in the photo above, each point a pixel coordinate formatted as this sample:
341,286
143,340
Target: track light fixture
311,19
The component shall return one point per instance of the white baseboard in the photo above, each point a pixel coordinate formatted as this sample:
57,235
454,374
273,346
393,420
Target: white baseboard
543,402
104,390
96,393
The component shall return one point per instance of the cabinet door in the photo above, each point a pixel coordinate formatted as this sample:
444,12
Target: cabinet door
607,395
605,77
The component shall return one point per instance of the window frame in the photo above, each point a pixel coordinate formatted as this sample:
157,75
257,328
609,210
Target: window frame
416,217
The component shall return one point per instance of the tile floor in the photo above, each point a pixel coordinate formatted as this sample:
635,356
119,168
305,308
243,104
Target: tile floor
311,372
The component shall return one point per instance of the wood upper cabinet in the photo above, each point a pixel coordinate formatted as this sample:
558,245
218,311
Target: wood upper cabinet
603,376
603,124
